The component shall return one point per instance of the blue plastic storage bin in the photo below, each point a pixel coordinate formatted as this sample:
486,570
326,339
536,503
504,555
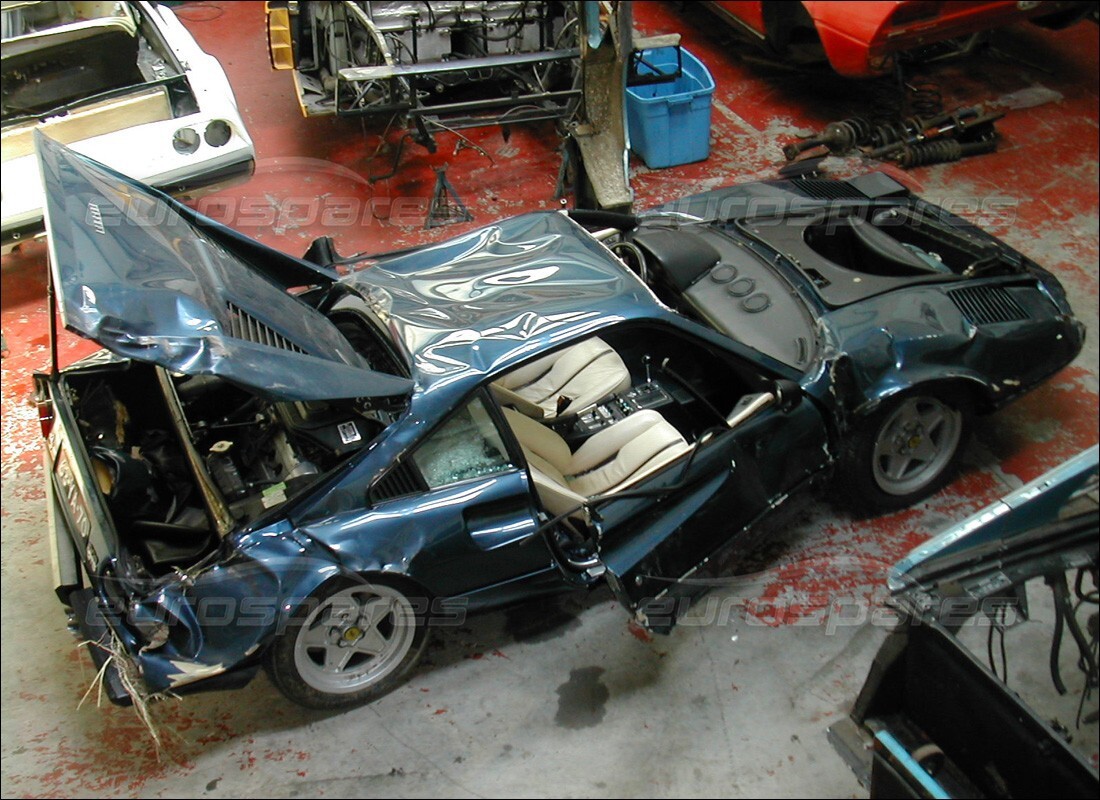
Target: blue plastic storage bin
669,122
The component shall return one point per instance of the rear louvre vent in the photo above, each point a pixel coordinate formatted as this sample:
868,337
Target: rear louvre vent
936,231
400,481
821,189
243,325
984,305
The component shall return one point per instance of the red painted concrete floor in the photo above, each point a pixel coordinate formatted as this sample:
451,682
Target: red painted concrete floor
1038,192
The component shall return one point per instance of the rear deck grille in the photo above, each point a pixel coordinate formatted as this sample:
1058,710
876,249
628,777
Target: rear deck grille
985,305
243,325
821,189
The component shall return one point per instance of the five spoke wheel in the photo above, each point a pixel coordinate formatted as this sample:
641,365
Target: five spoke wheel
903,452
349,644
915,444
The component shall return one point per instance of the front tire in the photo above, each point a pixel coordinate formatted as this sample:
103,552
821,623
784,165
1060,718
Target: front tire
904,452
350,643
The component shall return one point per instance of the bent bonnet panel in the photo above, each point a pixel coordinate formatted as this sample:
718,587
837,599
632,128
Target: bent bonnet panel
143,276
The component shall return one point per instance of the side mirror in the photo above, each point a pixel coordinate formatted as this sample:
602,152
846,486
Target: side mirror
788,394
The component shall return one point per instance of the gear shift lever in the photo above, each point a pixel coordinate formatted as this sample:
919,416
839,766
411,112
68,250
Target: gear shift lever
646,361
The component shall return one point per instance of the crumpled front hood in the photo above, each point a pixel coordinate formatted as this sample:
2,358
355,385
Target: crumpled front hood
151,280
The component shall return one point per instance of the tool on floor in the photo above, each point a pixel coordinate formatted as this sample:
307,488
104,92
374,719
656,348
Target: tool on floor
446,207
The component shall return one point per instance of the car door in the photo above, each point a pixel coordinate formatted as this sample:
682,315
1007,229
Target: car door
459,511
655,535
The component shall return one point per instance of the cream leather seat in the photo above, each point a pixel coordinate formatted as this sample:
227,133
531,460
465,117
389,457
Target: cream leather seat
583,375
609,461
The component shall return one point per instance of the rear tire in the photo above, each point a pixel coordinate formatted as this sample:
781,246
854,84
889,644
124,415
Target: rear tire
904,452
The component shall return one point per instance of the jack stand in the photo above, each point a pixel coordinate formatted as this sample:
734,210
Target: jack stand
446,207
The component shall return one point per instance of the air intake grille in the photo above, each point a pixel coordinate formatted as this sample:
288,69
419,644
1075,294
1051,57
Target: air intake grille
400,481
984,305
243,325
821,189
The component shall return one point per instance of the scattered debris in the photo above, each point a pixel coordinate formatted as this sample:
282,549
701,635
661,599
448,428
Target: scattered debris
1030,97
131,681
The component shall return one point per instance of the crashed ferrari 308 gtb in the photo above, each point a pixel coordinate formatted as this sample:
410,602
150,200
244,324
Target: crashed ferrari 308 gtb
278,462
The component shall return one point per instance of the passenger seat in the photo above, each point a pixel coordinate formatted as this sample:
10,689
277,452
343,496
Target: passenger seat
609,461
565,382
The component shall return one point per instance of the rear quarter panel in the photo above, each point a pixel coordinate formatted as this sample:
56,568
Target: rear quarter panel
917,336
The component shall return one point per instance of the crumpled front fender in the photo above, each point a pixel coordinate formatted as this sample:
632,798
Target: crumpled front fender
222,617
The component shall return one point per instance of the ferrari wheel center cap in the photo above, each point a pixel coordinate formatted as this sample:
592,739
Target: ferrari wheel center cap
353,634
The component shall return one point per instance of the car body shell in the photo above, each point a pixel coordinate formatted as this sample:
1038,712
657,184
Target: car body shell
142,149
860,39
464,312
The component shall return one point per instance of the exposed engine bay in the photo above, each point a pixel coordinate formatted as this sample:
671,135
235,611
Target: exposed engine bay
726,274
183,460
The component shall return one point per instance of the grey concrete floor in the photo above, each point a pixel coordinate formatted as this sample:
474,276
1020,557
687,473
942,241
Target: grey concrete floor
559,697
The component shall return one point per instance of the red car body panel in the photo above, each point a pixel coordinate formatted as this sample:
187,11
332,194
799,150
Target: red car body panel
859,38
746,13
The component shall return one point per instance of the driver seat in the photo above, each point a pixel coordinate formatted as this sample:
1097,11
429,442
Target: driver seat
609,461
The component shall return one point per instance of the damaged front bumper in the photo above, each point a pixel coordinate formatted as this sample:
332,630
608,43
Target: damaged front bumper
196,630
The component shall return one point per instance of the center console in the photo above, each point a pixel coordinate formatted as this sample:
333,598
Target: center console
650,394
